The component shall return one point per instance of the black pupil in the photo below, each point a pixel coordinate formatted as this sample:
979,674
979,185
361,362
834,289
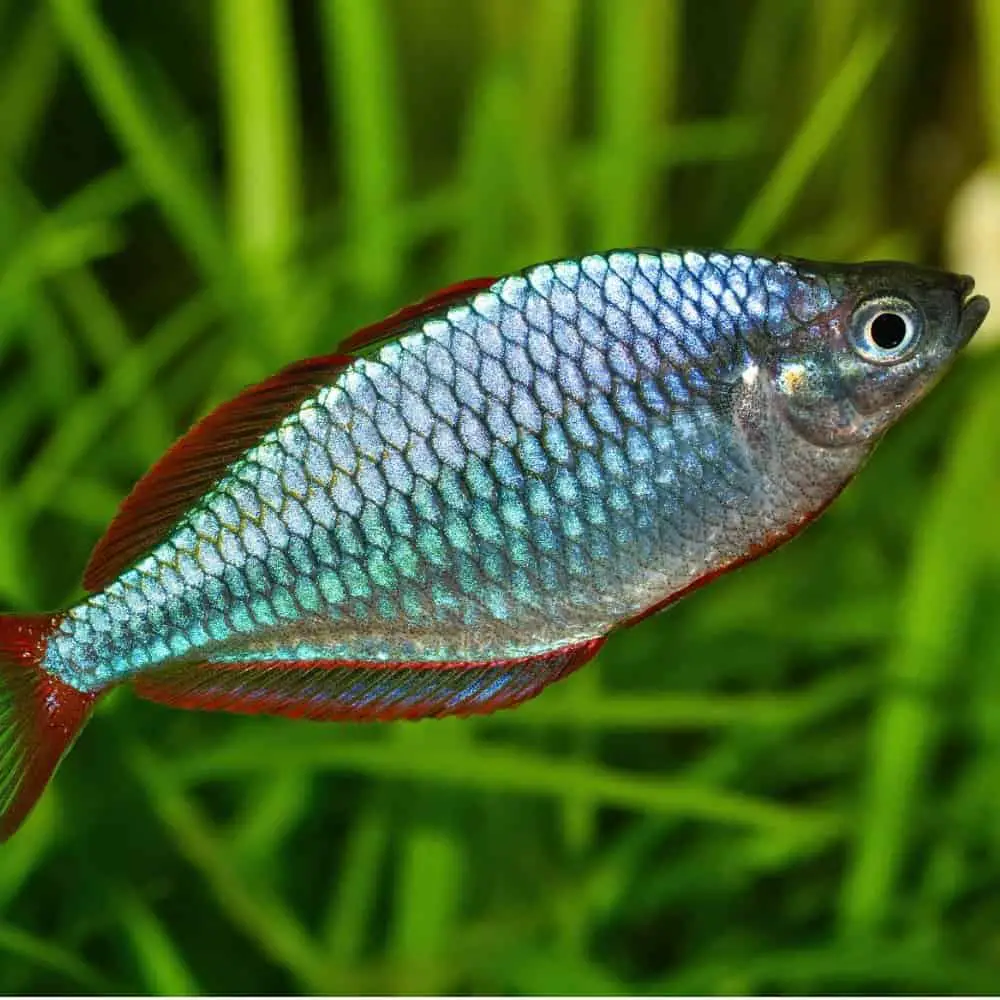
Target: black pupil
888,330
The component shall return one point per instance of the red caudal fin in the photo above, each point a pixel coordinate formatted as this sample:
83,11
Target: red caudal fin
40,716
344,692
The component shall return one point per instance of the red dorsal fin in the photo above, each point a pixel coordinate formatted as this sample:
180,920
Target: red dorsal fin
198,460
335,691
395,324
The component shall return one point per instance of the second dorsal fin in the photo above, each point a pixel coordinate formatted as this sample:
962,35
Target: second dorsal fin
395,324
198,460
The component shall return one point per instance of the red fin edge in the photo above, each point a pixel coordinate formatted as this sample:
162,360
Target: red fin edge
195,462
198,460
339,691
769,544
40,717
393,325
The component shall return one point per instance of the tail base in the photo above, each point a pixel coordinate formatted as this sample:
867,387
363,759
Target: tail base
40,717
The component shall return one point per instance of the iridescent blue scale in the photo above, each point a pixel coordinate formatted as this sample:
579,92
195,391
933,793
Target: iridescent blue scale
519,473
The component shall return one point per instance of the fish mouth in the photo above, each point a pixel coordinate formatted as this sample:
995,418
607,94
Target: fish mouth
973,311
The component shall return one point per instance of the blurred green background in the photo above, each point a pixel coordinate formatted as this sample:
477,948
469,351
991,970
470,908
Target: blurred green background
790,782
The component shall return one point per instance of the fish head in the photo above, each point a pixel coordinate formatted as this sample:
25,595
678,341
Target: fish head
861,344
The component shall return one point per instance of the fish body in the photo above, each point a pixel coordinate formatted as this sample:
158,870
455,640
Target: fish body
459,513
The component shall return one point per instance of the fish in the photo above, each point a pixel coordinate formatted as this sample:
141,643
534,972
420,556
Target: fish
460,505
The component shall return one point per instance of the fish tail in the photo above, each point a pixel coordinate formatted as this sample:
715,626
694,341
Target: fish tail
40,716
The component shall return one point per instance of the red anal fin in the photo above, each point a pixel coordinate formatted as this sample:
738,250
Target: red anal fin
395,324
40,717
198,460
343,692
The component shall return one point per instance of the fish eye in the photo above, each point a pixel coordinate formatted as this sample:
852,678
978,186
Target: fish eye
886,330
